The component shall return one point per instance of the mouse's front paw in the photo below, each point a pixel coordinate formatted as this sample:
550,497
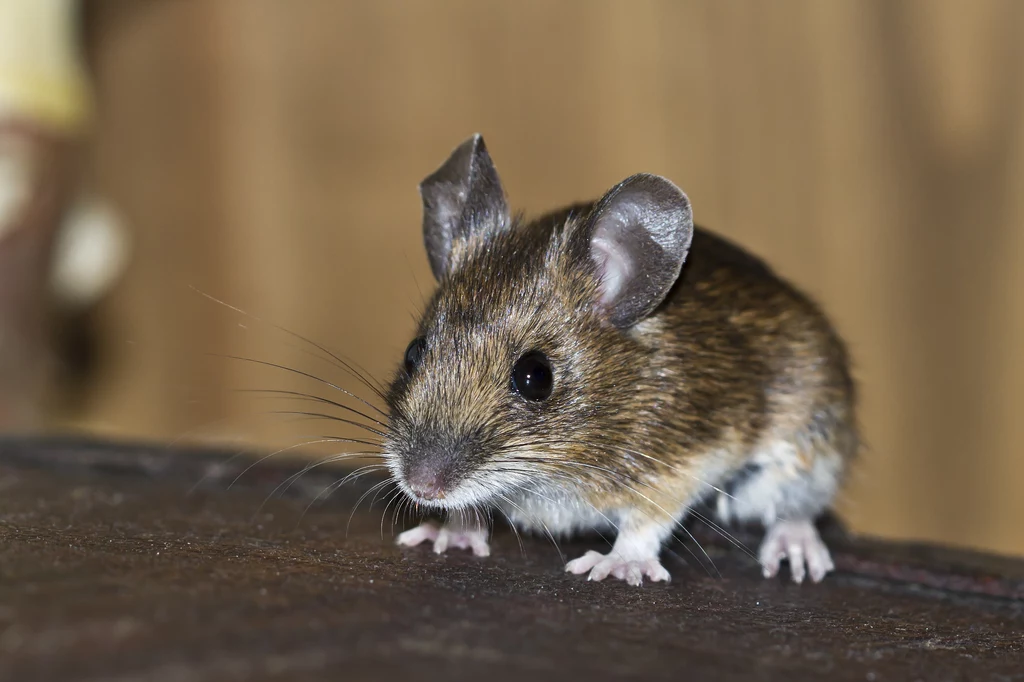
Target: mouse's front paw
447,536
633,571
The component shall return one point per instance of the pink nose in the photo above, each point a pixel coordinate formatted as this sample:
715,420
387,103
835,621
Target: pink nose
426,484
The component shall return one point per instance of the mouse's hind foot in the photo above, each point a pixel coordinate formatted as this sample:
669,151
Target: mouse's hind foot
449,535
800,544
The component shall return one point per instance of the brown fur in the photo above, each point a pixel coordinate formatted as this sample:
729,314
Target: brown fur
655,417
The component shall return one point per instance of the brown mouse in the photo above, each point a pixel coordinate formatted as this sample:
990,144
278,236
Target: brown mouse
607,367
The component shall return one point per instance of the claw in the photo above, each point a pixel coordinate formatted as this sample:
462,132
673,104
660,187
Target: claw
633,571
800,544
443,537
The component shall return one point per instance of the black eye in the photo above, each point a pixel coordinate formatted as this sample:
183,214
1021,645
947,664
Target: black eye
414,354
532,377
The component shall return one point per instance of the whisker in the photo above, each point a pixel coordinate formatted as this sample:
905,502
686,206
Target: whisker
616,477
519,538
329,489
330,417
691,509
395,495
588,502
226,463
286,483
299,395
343,363
547,531
299,372
641,454
376,387
523,489
732,539
377,487
675,522
363,454
341,439
618,448
614,525
402,503
286,449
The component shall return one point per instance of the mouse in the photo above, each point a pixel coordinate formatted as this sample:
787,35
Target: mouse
610,367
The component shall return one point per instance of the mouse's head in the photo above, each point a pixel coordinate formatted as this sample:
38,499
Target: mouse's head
528,355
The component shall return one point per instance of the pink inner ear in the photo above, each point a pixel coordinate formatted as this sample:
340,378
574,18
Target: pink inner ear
612,266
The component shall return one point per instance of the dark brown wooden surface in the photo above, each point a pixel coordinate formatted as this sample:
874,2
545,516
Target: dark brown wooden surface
115,565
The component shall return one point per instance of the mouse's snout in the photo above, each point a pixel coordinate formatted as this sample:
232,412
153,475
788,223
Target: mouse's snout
425,483
432,471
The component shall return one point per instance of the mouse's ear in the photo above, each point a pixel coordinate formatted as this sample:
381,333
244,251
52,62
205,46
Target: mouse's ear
639,234
461,198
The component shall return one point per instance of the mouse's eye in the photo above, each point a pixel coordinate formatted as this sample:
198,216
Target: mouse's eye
532,376
414,354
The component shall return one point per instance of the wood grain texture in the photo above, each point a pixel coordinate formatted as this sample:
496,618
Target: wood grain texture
112,571
268,153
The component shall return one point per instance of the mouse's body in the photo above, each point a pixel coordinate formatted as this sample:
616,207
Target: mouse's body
609,367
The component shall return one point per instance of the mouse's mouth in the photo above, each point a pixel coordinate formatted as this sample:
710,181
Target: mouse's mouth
452,474
462,495
438,487
483,486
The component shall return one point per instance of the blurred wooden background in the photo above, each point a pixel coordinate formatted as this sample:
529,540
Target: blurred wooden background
268,153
